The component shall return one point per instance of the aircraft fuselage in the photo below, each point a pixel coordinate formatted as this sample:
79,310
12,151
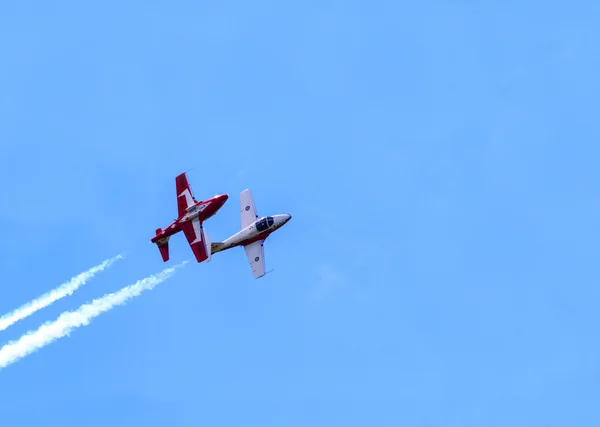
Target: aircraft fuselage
202,210
258,230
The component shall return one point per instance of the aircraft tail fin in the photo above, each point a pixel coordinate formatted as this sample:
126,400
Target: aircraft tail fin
216,247
164,251
163,245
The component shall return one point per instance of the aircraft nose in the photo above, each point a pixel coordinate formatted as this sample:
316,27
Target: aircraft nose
287,217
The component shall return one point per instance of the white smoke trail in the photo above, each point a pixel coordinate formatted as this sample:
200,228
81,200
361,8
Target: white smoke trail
54,295
69,320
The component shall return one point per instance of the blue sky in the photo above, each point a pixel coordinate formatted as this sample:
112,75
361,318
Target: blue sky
439,159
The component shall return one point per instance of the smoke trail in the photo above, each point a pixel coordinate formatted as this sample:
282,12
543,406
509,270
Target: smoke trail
69,320
54,295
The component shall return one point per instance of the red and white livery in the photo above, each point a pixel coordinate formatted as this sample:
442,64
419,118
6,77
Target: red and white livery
254,231
192,214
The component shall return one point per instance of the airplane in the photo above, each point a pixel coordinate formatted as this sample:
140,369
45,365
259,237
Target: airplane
192,213
254,231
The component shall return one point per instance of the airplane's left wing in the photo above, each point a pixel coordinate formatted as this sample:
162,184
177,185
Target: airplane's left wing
185,197
197,238
256,256
247,209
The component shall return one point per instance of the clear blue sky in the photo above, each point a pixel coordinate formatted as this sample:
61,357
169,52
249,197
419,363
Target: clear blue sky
439,159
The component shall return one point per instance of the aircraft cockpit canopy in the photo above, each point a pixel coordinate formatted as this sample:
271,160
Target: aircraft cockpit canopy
264,223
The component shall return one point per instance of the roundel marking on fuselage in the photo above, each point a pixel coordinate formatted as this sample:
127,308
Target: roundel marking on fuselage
247,208
256,259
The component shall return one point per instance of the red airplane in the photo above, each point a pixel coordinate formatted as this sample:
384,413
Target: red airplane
192,214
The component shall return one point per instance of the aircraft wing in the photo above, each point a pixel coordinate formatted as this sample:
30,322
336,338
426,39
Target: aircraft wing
197,238
247,210
256,256
185,197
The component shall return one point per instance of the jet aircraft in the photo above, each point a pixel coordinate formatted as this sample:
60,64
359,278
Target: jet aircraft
192,213
254,231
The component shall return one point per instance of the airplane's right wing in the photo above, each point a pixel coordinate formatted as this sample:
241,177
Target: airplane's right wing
185,198
256,256
197,238
247,210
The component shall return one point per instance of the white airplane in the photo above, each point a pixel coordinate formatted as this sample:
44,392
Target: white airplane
254,231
